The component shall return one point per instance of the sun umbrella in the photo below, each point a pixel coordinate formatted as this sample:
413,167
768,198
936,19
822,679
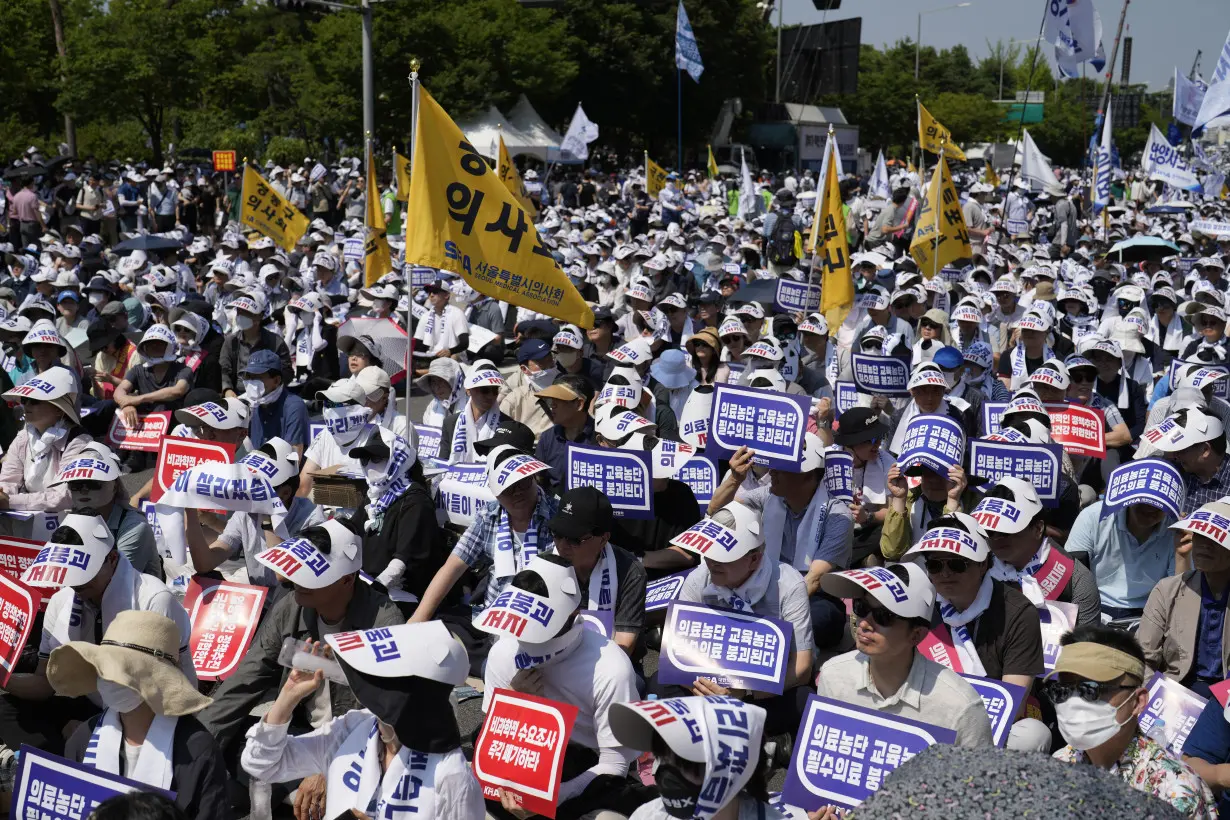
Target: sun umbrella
1142,248
24,171
391,342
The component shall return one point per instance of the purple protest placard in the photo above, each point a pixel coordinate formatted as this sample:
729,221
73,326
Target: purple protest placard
733,649
429,441
839,473
1147,481
48,787
1039,464
701,474
880,375
1057,618
1002,701
601,621
660,593
1221,387
931,441
845,396
992,412
462,492
421,276
624,476
796,297
1172,712
843,753
772,424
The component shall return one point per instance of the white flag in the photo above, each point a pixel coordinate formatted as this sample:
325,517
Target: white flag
1188,95
879,186
747,190
580,134
1102,169
1075,29
1034,165
1161,160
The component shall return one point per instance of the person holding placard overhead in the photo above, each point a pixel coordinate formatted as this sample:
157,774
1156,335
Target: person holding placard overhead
561,660
892,608
400,751
993,628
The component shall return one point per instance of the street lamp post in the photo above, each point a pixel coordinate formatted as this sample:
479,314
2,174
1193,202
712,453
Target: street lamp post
1003,59
918,34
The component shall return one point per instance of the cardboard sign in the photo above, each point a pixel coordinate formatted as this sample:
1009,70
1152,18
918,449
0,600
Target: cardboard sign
701,474
734,649
175,455
660,593
1039,464
429,441
462,492
1002,700
932,441
1171,714
1148,481
1080,430
796,297
521,749
843,753
880,375
600,621
146,436
845,397
18,606
224,618
839,474
16,555
1057,618
48,787
623,476
772,424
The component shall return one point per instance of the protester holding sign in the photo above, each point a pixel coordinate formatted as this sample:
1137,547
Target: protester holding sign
147,731
911,510
1098,691
1195,442
400,752
892,609
52,435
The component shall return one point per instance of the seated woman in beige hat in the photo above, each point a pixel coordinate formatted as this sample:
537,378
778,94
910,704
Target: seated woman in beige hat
147,732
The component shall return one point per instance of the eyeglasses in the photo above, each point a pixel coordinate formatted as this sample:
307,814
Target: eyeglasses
1088,690
881,616
1203,323
571,542
957,566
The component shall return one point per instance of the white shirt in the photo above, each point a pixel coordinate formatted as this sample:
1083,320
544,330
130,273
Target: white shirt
446,330
326,452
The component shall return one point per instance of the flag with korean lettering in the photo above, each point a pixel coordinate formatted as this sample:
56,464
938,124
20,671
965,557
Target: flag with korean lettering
829,243
376,258
655,177
466,221
940,235
509,175
521,749
269,212
933,136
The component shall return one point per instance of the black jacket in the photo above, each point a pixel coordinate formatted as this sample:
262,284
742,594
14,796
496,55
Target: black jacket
409,532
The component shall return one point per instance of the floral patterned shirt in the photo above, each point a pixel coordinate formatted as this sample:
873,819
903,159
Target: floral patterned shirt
1147,766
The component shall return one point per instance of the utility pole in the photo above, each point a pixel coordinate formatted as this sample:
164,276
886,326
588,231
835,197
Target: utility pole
57,22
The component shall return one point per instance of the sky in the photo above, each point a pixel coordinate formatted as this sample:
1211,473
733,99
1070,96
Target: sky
1165,33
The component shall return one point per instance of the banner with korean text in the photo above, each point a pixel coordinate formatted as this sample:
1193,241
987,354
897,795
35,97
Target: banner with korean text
733,649
624,476
224,618
772,424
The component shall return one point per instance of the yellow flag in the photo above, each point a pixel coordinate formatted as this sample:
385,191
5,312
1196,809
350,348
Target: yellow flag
376,260
833,252
909,167
269,212
655,177
992,178
401,173
931,134
512,180
713,169
464,220
940,235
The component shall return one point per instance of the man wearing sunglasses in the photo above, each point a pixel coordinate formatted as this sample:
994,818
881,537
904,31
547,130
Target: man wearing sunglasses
1099,694
892,614
1197,446
1209,321
1083,376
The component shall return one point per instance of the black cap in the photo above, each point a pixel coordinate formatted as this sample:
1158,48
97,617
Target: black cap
603,314
857,425
101,334
582,511
709,297
540,328
508,432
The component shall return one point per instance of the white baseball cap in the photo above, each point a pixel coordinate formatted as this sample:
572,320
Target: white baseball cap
231,414
970,542
615,423
1185,430
532,618
911,597
513,469
60,564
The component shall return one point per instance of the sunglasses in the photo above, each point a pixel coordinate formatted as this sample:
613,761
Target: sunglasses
1088,690
571,542
1209,323
957,566
1083,378
486,391
86,486
878,614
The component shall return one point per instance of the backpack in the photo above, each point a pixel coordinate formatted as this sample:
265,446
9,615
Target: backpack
781,242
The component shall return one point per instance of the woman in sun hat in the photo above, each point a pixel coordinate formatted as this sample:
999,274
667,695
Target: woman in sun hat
147,731
51,435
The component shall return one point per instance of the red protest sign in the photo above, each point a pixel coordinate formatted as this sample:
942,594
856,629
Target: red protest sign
521,749
146,436
224,160
16,554
18,604
224,618
179,454
1080,429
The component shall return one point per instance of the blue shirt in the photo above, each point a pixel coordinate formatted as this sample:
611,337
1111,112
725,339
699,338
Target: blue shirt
1210,741
286,418
1126,570
1199,493
1208,640
552,450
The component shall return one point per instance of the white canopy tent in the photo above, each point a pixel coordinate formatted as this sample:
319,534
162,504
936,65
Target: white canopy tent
525,119
482,129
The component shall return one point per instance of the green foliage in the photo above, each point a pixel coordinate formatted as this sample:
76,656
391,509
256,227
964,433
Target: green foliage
285,150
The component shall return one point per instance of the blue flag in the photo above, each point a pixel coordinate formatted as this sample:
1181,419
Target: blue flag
687,54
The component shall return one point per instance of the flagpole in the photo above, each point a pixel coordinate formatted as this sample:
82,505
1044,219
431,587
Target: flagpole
922,149
367,172
679,97
414,128
935,244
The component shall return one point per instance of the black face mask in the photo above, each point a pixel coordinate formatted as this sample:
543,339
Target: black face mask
1125,307
679,795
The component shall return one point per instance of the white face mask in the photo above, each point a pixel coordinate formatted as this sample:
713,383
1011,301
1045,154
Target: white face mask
97,299
1087,725
567,358
93,499
253,390
345,423
118,697
541,379
950,378
243,321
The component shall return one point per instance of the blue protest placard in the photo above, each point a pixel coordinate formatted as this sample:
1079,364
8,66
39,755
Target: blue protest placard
950,274
660,593
843,753
1147,481
733,649
462,491
931,441
796,297
1221,387
48,787
421,276
314,431
352,251
1002,701
1039,464
624,476
992,412
600,621
701,474
839,473
772,424
1172,712
845,396
880,375
429,441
